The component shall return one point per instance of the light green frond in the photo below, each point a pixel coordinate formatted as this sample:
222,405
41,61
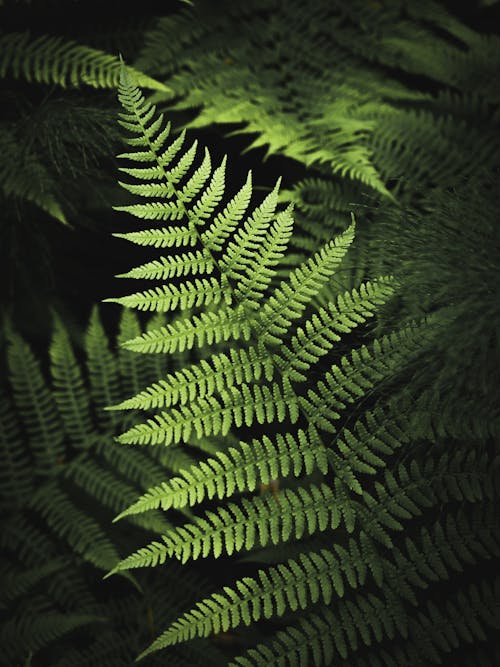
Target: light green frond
140,142
361,481
250,235
163,210
56,60
237,470
289,300
210,198
166,237
197,262
218,372
184,334
255,522
319,334
210,416
256,276
227,220
319,576
314,577
195,293
151,137
198,180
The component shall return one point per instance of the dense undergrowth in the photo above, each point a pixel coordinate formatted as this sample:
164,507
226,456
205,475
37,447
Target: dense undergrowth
298,428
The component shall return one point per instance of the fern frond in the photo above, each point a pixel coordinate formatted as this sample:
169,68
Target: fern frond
235,527
255,274
17,584
340,633
134,375
358,372
69,391
330,634
319,334
289,300
166,237
16,475
102,368
204,379
227,220
200,330
195,263
52,60
240,469
81,531
210,416
105,487
36,405
315,339
237,470
314,577
196,293
28,179
284,370
37,631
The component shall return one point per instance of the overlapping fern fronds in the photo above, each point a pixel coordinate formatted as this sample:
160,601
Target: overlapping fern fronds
281,385
56,136
321,83
55,60
59,478
49,60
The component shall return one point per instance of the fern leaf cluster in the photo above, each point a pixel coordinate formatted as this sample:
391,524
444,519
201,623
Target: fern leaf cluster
60,476
312,83
343,500
55,60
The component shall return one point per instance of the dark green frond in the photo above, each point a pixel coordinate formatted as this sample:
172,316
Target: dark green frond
49,60
36,405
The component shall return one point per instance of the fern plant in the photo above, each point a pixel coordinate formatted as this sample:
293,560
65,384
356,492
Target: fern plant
398,97
355,493
61,480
